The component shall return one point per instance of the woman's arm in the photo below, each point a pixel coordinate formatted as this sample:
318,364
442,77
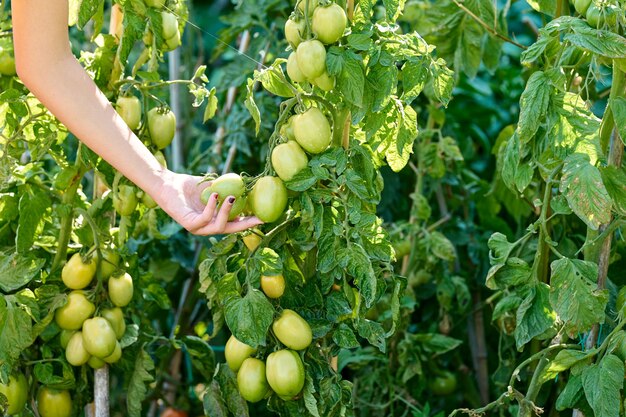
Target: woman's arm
45,64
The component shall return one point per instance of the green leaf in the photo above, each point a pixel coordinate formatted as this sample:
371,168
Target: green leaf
574,294
228,388
211,106
269,261
310,402
87,9
137,390
614,179
393,8
602,383
249,318
274,80
618,107
351,80
358,265
15,331
585,192
34,203
533,105
202,356
443,81
213,401
563,361
344,337
47,374
302,181
534,315
468,53
252,107
505,305
602,42
435,343
373,332
414,77
17,270
398,153
571,394
513,272
544,6
441,246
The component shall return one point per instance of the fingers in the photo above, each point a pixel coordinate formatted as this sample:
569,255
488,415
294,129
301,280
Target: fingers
222,217
242,223
206,218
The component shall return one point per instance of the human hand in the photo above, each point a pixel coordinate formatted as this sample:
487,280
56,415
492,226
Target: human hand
179,196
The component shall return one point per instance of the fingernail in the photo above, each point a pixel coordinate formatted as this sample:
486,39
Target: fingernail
231,200
215,196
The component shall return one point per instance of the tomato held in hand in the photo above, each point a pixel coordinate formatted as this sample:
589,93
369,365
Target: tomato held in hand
292,330
75,352
273,286
236,352
294,31
16,392
54,403
77,274
312,130
329,23
225,186
121,289
251,380
269,199
77,309
98,337
125,201
115,316
288,159
129,108
161,126
311,58
293,69
285,373
444,384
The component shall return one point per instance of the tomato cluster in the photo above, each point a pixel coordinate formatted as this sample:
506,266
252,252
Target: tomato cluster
282,372
598,14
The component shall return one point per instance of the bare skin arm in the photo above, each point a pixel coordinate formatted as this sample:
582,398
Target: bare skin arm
47,67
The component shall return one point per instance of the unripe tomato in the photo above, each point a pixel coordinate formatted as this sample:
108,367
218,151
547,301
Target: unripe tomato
75,352
157,4
286,130
311,58
16,392
116,355
65,336
273,286
161,158
110,262
292,330
288,159
236,352
325,82
269,199
77,309
225,186
293,69
7,62
115,316
95,362
98,337
329,23
581,6
161,126
251,380
170,24
54,403
125,201
312,130
77,274
129,108
294,31
148,201
173,42
285,373
594,17
252,240
121,289
443,384
312,6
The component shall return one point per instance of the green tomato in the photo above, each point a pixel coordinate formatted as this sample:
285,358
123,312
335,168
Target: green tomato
161,126
294,31
65,336
173,42
54,403
292,330
325,82
96,363
286,130
236,352
170,24
75,352
157,4
16,393
312,130
148,201
581,6
273,286
293,69
125,201
77,274
7,63
77,309
116,355
252,240
121,289
225,186
285,373
115,316
251,380
269,199
110,262
312,6
329,23
99,337
311,58
594,17
129,108
288,159
444,384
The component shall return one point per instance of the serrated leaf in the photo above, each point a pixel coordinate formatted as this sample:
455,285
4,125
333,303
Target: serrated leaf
602,383
15,331
252,107
273,79
601,42
618,107
544,6
211,106
585,192
137,389
87,9
533,105
358,265
534,315
34,202
563,361
249,318
398,153
17,270
414,77
614,179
